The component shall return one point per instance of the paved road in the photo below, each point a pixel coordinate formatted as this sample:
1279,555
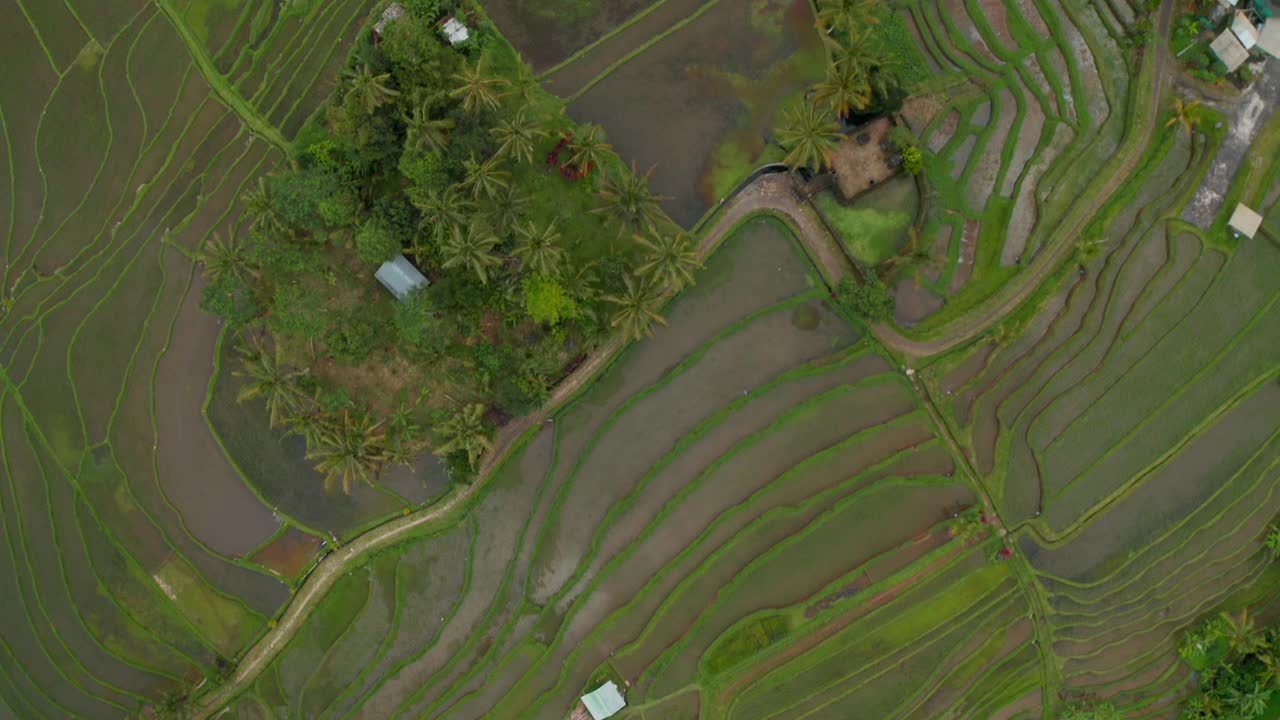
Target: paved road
768,193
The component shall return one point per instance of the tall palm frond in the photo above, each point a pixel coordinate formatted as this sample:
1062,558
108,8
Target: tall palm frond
671,260
638,307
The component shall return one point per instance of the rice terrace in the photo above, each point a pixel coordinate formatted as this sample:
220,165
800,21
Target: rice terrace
645,359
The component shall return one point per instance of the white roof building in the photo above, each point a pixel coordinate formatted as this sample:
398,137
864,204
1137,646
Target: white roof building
1269,38
1229,50
1244,221
604,701
1244,30
393,11
454,30
400,277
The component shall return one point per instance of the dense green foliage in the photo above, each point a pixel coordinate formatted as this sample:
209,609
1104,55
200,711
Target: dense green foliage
869,301
1238,667
438,152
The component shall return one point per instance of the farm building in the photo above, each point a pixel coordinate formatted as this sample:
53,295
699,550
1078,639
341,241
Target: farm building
1269,38
1229,50
400,277
1244,30
605,701
1245,221
394,11
454,30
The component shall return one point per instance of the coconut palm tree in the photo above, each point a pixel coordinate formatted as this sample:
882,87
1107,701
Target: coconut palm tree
638,308
471,248
477,88
371,91
465,431
539,248
308,420
1251,702
847,15
224,257
506,209
258,205
425,133
847,85
628,200
1184,114
442,210
809,133
269,377
1240,633
349,450
518,136
671,260
486,178
587,147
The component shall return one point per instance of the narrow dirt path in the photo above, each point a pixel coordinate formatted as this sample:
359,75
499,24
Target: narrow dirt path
771,193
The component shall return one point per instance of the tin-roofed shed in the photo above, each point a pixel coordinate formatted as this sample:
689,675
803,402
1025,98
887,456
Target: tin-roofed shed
400,277
1245,221
1229,50
605,701
1269,37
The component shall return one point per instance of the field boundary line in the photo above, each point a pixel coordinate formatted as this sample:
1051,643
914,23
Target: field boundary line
586,49
219,85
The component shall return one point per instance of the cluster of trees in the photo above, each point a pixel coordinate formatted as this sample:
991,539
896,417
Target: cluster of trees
1238,665
869,301
859,82
537,241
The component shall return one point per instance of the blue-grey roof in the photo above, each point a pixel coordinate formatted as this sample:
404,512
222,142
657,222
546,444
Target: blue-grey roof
400,277
604,701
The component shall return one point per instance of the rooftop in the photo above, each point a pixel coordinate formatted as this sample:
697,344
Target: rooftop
400,277
1244,30
393,11
1245,221
1269,38
1229,50
455,30
604,701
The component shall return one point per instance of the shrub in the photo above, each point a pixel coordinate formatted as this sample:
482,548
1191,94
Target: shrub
375,244
546,300
912,160
870,301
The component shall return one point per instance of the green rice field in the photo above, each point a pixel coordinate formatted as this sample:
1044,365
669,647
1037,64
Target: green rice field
768,509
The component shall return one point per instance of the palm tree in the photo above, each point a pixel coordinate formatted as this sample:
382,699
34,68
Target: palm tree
224,257
847,85
485,178
637,308
587,147
267,376
371,91
809,133
308,420
1270,674
507,209
671,260
847,15
442,210
477,89
465,431
628,200
1239,632
258,205
1272,540
1183,114
518,136
1249,703
425,133
539,248
472,248
348,451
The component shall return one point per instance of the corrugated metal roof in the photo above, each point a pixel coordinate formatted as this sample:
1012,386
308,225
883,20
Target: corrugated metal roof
604,701
1269,38
1244,30
400,276
1245,221
1229,50
455,31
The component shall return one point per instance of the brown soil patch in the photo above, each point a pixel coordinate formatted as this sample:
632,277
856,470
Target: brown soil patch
942,134
913,302
861,159
964,263
919,110
1024,147
289,553
997,17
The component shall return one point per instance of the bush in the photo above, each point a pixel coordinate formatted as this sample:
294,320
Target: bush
870,301
912,160
231,299
375,244
546,300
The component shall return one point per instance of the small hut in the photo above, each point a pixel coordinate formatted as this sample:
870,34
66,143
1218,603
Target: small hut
400,277
605,701
1269,38
1244,221
394,11
1229,50
1244,30
454,30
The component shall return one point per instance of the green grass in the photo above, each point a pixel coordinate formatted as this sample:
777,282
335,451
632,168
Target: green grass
871,234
